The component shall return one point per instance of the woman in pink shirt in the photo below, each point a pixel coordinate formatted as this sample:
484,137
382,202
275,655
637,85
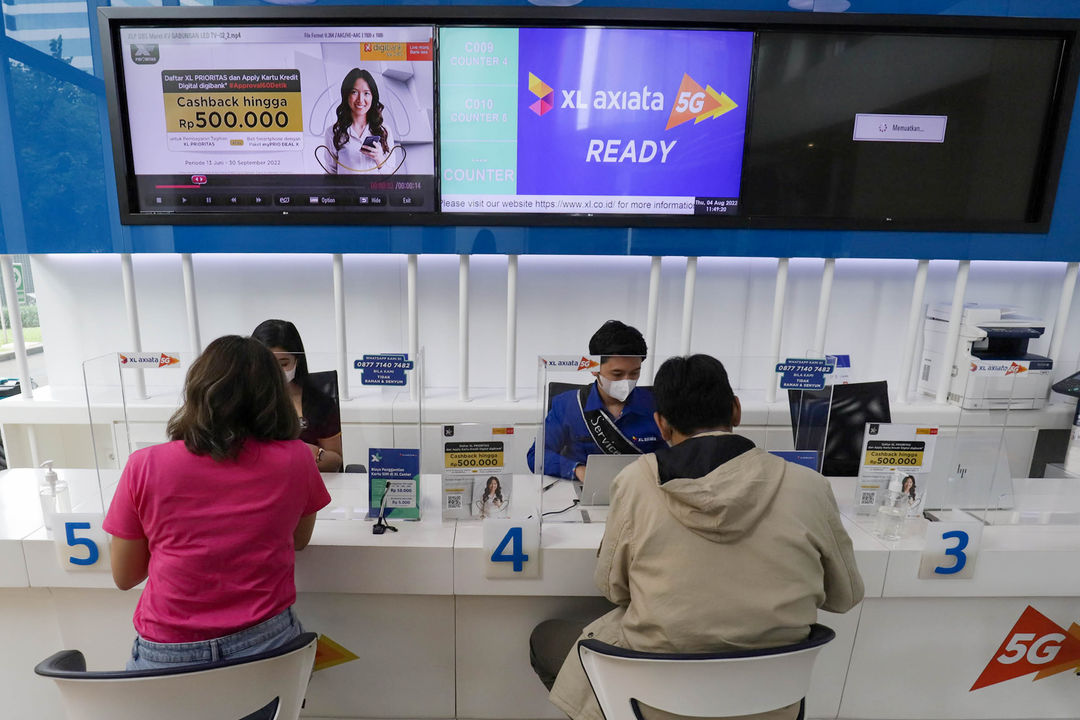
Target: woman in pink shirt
212,519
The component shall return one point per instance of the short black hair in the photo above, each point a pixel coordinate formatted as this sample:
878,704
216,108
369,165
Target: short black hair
617,338
693,393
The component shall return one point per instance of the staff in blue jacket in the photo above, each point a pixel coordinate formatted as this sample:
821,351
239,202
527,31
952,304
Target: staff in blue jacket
610,416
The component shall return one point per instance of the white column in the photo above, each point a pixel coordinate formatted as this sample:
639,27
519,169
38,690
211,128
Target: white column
463,328
7,267
688,304
1061,322
414,323
823,307
127,274
911,339
339,325
650,323
777,327
511,327
188,268
952,335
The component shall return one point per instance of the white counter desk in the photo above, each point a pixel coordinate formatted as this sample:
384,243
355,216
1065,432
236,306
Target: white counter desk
437,639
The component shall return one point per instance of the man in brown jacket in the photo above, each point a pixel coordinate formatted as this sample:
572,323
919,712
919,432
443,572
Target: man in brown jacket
711,544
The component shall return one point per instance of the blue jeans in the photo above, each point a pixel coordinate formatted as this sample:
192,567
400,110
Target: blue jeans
267,635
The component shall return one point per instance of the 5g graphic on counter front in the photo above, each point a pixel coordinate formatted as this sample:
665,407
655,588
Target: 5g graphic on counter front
81,543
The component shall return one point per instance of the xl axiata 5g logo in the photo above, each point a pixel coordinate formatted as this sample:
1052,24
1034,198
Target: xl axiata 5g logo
1036,644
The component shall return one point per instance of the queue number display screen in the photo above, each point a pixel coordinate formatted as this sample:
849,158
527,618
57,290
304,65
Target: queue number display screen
592,120
280,119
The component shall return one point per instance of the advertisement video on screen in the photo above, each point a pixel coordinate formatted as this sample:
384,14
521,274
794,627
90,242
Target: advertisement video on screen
592,120
284,118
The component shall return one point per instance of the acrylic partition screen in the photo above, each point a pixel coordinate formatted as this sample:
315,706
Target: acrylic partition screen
592,120
297,119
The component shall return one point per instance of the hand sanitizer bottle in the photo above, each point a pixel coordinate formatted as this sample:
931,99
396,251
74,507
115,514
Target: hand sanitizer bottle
54,495
891,514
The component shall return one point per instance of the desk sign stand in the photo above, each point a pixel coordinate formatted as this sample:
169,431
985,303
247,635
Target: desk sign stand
81,543
512,547
950,550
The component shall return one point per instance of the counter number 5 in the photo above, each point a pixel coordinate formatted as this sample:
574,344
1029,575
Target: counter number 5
950,550
81,543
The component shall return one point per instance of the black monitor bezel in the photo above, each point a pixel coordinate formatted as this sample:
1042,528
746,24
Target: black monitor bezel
1041,204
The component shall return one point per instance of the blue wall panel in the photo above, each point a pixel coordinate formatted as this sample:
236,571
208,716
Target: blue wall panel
63,176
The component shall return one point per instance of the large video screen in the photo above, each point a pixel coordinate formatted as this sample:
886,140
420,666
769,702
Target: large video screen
279,119
615,121
901,128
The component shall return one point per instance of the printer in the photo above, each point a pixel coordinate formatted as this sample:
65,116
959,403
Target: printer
992,369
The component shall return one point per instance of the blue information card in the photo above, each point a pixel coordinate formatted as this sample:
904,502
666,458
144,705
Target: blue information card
804,373
401,468
387,369
806,458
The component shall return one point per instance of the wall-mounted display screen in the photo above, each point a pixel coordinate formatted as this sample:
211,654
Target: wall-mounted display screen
613,121
276,119
901,127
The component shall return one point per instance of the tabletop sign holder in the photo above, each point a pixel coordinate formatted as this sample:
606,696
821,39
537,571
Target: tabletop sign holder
805,373
950,550
81,543
512,547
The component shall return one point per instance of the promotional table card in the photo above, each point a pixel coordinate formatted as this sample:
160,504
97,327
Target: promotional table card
397,471
474,481
889,446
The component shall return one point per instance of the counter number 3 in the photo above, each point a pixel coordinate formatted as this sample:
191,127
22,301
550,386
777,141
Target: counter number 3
950,550
81,543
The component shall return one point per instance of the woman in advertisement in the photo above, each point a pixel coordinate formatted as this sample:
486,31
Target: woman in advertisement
318,410
492,504
358,140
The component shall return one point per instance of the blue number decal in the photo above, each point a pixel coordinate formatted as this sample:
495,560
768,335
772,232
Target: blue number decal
957,552
90,545
516,556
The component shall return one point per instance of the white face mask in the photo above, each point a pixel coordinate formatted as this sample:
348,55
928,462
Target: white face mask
289,374
618,389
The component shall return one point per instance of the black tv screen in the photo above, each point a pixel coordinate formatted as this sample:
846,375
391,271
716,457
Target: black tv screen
901,128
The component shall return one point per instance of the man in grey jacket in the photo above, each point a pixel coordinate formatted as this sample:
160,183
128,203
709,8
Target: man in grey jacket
711,544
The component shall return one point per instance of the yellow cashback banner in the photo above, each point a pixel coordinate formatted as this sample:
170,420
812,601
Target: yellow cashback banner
242,101
896,445
470,455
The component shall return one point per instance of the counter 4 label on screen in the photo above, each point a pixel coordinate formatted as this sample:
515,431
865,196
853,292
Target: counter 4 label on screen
280,119
593,120
1035,644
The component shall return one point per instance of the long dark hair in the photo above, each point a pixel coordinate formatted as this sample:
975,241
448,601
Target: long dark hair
283,334
233,391
344,110
911,490
487,491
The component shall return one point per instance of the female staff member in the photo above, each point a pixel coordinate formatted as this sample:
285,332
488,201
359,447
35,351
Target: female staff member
213,518
320,416
358,140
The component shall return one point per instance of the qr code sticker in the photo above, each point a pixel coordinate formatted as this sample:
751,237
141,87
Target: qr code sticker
868,498
453,502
